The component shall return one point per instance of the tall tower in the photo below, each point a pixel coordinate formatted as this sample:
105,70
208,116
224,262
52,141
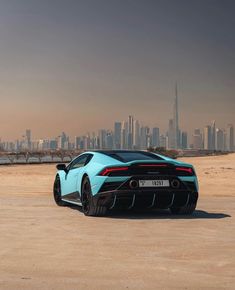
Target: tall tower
124,132
230,137
117,135
213,132
136,135
207,138
176,139
130,132
28,138
155,137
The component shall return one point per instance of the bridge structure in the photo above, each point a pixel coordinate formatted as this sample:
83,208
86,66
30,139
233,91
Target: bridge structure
37,157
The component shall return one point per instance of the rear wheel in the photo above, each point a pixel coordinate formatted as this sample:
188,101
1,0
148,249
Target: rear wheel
187,210
88,206
57,192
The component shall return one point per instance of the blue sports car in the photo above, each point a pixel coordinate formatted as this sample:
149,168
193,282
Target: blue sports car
123,179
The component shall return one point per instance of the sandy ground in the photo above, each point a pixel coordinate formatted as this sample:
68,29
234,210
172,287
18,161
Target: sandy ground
43,246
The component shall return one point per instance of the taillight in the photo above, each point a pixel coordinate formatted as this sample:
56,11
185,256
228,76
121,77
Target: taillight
184,170
113,170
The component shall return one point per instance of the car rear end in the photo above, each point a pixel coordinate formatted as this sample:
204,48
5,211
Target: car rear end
148,185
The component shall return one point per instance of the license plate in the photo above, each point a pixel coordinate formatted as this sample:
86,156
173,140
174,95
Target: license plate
154,183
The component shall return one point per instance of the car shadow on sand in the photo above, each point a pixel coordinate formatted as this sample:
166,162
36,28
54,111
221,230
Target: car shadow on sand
165,214
158,214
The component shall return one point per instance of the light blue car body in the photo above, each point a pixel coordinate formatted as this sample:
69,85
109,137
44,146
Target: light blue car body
71,181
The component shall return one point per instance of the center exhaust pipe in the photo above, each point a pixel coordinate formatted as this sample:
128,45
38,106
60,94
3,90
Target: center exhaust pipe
133,184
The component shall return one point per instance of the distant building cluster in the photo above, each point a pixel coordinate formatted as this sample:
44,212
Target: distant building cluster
212,138
130,134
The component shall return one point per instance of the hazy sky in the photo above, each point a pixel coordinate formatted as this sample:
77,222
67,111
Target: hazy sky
78,65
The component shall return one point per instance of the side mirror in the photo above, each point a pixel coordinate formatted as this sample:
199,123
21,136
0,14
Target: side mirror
61,166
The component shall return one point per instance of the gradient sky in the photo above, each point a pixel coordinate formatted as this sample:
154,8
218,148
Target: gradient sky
78,65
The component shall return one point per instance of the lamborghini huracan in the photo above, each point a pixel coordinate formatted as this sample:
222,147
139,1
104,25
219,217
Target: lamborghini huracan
99,181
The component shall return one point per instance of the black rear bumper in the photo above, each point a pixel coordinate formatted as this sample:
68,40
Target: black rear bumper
146,199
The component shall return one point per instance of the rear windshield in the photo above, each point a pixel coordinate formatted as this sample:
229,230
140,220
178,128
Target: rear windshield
132,156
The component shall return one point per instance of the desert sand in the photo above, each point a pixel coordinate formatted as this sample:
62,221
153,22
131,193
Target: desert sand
43,246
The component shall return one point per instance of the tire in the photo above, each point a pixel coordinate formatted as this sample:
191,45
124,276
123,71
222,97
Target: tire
185,210
57,192
88,206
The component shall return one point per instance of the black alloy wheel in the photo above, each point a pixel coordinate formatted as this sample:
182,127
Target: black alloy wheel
88,206
57,192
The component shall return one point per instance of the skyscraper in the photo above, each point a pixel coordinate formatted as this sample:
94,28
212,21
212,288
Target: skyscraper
144,133
28,138
163,141
62,140
219,140
136,136
155,137
130,132
109,140
213,135
197,139
207,138
124,131
230,137
117,135
102,138
184,138
176,137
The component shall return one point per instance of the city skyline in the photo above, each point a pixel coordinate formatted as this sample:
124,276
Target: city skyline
154,123
88,63
171,120
132,134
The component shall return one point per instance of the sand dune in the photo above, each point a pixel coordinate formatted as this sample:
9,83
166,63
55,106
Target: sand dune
43,246
216,174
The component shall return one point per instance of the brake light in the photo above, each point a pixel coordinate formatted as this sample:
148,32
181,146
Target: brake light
188,170
152,165
107,171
